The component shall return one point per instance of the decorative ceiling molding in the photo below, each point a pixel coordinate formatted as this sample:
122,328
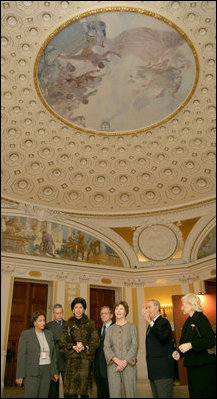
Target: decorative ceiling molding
157,242
169,167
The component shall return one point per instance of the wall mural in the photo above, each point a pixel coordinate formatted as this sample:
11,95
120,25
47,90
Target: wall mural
103,66
29,236
208,245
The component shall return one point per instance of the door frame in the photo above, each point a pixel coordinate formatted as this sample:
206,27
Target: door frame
50,290
49,310
118,291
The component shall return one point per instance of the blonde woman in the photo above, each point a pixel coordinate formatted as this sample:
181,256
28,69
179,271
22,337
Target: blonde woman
120,348
197,336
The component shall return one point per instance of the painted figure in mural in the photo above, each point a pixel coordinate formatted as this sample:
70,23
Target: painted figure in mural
120,348
70,248
148,44
47,243
94,249
80,245
79,341
159,348
13,226
22,246
197,336
96,32
36,359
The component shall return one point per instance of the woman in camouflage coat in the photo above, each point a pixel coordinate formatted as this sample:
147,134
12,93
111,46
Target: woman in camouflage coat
79,341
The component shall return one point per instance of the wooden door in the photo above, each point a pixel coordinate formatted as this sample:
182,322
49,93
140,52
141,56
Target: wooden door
100,297
27,298
210,287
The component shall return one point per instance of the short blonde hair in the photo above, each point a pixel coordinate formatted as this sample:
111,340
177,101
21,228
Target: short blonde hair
193,300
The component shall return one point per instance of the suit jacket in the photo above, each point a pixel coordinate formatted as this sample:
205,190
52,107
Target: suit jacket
29,354
57,332
159,348
198,330
100,365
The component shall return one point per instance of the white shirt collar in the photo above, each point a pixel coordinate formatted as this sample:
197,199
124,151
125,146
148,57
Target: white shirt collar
108,324
156,317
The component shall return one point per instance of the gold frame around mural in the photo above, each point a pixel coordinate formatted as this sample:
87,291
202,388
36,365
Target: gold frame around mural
110,9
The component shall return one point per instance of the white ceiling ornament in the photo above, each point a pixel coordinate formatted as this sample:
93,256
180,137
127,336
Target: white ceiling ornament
157,242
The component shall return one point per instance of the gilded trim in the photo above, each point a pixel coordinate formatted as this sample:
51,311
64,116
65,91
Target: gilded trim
110,9
55,292
135,311
124,294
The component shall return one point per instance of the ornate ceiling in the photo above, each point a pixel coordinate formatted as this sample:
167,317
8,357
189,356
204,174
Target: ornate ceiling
51,163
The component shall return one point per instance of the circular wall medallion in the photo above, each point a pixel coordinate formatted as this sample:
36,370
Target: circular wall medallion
157,242
116,70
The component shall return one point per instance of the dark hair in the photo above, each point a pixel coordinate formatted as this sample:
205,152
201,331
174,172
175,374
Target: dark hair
124,304
36,315
79,300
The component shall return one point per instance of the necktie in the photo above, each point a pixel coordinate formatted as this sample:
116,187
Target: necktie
148,330
103,333
60,322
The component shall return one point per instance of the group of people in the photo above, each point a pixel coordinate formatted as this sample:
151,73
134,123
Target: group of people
80,351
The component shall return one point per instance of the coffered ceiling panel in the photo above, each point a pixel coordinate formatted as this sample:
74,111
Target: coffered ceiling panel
108,108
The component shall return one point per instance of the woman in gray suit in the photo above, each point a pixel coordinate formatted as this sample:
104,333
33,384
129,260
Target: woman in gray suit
36,359
120,348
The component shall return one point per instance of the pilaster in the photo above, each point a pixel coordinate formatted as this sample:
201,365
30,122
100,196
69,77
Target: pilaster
6,301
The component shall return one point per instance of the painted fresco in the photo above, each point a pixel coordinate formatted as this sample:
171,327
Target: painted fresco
29,236
105,66
208,246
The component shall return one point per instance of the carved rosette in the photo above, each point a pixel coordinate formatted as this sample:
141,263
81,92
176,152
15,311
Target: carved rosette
157,242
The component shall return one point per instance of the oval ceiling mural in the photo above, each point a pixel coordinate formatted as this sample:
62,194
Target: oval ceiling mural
28,236
116,71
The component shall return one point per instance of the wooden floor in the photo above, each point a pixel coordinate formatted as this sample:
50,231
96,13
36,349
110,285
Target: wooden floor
143,389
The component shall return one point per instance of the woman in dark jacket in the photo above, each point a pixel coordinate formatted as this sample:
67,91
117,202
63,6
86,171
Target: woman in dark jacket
79,341
36,360
197,336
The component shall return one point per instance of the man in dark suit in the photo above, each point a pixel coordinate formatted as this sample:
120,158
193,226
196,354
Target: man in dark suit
56,327
100,366
159,348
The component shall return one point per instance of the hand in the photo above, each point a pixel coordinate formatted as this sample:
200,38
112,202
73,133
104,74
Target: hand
19,381
185,347
122,365
78,347
146,313
55,377
176,355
